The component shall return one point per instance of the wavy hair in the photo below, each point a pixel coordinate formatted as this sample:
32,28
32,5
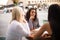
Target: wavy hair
28,14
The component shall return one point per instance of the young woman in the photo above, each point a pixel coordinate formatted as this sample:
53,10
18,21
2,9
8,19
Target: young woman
31,17
53,25
18,26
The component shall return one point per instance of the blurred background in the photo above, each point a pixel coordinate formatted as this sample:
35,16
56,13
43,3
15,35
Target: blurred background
6,7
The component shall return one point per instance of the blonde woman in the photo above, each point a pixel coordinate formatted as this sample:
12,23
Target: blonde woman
18,26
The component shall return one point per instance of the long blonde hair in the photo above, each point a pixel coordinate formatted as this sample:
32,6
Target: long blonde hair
16,12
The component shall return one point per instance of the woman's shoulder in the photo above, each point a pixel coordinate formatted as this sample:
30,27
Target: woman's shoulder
14,22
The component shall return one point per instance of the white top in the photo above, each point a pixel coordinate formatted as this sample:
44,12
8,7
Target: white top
17,30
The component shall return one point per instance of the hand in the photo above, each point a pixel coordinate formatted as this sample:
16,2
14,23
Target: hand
32,17
33,32
24,20
30,37
46,36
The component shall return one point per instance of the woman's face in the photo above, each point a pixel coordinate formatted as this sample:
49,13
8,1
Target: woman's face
32,13
22,15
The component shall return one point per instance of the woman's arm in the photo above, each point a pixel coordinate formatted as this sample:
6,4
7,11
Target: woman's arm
45,27
48,29
40,32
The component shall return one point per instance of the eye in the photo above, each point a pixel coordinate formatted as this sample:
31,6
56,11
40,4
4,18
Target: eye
33,12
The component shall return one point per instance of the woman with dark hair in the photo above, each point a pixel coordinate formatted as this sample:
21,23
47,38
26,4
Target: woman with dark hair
54,21
53,25
31,17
